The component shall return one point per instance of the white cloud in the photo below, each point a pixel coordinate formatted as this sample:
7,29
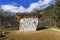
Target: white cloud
9,8
21,9
32,8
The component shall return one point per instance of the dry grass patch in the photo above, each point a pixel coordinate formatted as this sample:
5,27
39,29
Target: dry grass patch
47,34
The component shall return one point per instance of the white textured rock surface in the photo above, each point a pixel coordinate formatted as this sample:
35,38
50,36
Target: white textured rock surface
28,24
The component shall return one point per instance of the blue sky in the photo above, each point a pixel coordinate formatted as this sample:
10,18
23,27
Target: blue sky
24,3
25,6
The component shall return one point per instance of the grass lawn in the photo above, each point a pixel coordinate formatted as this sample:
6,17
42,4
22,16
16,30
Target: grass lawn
55,27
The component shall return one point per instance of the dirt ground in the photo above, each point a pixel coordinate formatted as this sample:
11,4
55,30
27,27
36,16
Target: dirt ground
46,34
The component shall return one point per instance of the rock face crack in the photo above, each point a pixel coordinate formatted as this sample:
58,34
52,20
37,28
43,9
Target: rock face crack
28,24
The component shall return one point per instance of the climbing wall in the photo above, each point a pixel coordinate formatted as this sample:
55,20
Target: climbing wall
28,24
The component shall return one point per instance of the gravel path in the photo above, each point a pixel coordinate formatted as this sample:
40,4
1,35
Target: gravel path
46,34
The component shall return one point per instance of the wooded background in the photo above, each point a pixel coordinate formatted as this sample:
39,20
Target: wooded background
49,17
